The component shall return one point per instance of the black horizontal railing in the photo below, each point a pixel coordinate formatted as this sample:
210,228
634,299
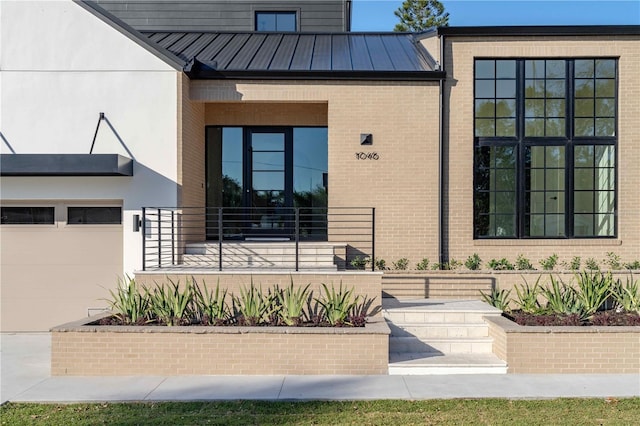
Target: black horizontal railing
228,237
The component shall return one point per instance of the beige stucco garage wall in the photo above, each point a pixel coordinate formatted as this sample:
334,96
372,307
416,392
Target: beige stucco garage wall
402,116
459,56
52,274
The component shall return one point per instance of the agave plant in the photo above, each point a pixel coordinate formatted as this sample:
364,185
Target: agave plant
594,290
170,304
127,303
497,298
210,306
292,302
627,297
527,299
337,305
252,307
561,298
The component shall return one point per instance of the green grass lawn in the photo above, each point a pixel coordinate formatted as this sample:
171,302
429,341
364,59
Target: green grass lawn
470,412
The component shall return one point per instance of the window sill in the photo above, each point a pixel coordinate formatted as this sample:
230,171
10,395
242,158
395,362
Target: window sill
592,242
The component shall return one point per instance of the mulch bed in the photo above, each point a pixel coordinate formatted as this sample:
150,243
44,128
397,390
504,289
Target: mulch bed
602,318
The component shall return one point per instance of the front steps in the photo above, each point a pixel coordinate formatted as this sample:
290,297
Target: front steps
431,336
264,255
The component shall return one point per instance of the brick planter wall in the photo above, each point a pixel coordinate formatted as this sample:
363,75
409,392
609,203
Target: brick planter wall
577,350
82,350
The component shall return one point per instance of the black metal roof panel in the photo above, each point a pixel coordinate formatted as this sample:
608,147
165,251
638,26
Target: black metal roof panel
299,55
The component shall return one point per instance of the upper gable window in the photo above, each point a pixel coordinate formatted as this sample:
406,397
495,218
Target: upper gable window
276,21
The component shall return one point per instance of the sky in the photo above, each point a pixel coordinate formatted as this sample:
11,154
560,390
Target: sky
377,15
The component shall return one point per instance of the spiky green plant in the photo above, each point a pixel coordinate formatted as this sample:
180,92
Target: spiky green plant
473,262
210,306
337,305
561,298
594,288
527,300
292,301
127,303
253,307
498,298
627,296
170,304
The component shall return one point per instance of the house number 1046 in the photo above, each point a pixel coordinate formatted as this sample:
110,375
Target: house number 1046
367,156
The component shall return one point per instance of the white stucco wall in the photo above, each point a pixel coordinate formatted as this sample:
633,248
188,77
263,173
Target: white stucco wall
60,66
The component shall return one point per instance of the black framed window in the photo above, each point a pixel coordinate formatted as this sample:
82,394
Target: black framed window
276,21
94,215
27,215
545,148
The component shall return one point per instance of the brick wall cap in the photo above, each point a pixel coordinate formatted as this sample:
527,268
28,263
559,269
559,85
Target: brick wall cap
509,326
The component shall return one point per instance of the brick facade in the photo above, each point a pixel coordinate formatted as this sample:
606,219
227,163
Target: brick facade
566,350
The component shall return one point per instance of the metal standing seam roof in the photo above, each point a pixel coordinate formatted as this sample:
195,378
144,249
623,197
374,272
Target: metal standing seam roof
299,55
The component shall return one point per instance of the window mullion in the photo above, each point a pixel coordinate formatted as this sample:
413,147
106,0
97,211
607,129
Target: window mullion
520,169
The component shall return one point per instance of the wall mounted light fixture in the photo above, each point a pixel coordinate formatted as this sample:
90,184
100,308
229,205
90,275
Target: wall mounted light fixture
366,139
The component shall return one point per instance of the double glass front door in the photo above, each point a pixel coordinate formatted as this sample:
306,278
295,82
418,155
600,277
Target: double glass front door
260,174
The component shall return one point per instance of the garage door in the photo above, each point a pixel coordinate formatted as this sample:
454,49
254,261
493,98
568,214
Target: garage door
57,261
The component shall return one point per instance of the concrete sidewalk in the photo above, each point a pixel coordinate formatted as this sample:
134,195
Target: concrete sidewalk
25,378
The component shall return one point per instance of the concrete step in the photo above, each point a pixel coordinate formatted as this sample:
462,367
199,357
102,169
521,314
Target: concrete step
418,311
439,330
443,345
423,363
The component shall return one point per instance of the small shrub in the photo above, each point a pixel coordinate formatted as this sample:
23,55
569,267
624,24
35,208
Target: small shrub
593,291
473,262
523,264
613,261
632,265
501,265
574,265
359,262
336,306
401,264
592,264
381,264
423,265
253,307
549,263
436,266
497,298
451,265
561,298
527,300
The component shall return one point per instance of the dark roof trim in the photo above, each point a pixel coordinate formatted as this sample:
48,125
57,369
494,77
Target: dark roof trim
199,71
570,30
65,165
130,32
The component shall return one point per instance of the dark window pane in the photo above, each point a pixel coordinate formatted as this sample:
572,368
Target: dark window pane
505,179
506,89
554,202
555,69
265,21
534,108
605,127
485,127
584,108
583,127
310,166
554,156
485,69
583,202
505,226
583,156
275,21
583,225
506,69
583,179
485,89
267,181
584,68
485,108
555,108
506,127
505,202
605,108
506,108
27,215
94,215
584,88
268,160
605,156
267,141
555,179
286,21
605,68
534,127
535,202
534,88
605,88
534,69
555,89
555,127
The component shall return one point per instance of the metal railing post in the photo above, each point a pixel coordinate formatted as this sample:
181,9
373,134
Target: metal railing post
297,210
373,239
220,234
159,238
173,238
144,239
